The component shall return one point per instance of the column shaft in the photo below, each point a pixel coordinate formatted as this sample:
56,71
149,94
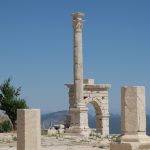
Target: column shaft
78,62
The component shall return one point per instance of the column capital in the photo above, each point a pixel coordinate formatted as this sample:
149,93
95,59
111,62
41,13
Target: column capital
77,21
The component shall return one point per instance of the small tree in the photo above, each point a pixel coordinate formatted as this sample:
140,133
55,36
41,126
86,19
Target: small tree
10,101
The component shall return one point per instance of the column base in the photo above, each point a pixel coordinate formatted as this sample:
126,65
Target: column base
139,141
130,146
79,121
139,137
75,131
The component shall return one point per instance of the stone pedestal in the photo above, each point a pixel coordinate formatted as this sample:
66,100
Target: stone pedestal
79,121
130,146
28,129
133,120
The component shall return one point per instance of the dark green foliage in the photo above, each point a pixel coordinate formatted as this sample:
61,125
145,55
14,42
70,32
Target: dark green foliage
6,126
10,101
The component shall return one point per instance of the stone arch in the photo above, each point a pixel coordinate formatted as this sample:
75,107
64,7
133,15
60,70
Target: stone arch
102,118
97,95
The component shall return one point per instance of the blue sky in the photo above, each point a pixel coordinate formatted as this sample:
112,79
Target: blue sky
36,47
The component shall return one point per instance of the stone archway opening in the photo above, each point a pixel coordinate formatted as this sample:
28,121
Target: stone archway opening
96,115
91,116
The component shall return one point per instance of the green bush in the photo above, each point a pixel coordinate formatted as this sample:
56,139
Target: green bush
6,126
10,100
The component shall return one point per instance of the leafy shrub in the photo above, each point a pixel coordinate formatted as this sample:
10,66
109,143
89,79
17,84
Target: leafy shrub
6,126
10,101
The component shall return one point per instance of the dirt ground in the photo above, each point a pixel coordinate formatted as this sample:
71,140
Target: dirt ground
8,141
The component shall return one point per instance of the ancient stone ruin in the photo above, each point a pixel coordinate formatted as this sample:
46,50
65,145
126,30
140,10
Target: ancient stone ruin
81,92
97,95
28,129
85,91
133,120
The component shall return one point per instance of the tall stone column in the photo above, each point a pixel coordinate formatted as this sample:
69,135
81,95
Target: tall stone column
78,111
78,62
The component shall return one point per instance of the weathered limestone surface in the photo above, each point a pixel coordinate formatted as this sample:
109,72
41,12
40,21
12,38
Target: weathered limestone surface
79,121
97,95
130,146
28,129
123,146
78,111
133,120
78,62
133,110
133,123
88,81
81,92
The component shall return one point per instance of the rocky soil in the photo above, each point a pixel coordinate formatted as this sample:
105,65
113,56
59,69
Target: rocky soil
8,141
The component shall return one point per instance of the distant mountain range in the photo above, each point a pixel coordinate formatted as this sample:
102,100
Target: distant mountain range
59,117
50,119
